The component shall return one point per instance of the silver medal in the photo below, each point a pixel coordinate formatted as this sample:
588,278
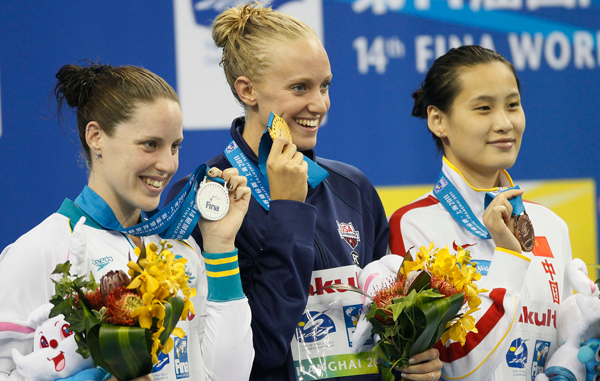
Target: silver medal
212,200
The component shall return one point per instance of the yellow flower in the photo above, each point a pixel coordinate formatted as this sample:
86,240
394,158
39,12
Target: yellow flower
152,308
421,261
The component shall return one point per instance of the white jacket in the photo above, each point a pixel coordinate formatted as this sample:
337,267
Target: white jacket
218,341
517,320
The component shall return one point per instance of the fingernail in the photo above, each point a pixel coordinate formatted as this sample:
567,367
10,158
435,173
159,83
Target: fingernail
230,186
211,172
235,197
403,375
411,361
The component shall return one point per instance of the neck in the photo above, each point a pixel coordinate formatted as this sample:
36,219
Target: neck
125,214
253,131
477,178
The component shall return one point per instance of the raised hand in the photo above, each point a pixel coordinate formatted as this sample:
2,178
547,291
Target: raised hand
219,236
500,222
287,172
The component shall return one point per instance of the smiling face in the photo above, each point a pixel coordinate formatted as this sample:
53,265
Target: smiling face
482,133
139,159
295,87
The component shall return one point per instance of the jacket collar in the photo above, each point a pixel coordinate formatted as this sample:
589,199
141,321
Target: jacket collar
474,197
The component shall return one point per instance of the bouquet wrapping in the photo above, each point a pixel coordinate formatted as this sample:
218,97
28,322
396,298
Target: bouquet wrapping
124,321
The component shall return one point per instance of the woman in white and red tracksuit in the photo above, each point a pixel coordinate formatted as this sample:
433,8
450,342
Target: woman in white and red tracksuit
471,101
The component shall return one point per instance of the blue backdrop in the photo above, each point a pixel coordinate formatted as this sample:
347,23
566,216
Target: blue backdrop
379,51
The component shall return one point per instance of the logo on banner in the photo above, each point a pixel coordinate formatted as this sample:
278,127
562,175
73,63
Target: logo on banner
163,359
206,100
440,185
102,262
540,354
314,326
348,234
351,316
180,352
516,357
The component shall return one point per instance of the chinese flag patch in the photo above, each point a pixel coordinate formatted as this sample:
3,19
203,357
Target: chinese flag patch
541,248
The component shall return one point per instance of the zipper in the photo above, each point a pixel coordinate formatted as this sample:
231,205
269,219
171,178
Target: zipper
322,252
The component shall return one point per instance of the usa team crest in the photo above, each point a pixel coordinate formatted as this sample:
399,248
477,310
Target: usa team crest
349,234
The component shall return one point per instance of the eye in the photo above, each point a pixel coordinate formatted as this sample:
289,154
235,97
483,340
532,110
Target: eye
150,145
44,342
299,88
65,331
483,108
326,85
175,147
514,105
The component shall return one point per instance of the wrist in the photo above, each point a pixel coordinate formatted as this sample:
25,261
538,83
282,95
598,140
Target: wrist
218,245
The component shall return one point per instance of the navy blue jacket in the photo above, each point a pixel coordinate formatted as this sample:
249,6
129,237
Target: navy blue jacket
279,249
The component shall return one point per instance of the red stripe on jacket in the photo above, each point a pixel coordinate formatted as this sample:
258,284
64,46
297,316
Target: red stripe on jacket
396,240
487,322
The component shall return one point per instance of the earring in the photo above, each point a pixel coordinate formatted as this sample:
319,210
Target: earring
97,154
441,134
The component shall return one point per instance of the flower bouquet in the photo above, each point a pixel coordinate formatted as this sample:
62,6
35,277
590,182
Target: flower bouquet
123,321
422,304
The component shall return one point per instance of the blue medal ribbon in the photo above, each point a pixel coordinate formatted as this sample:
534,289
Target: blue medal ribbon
458,208
257,175
175,221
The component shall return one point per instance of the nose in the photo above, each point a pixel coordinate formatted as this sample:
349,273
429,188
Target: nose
167,161
53,343
503,123
319,102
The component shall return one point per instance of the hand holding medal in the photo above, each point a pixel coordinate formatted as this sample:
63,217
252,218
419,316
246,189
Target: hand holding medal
287,170
223,207
509,228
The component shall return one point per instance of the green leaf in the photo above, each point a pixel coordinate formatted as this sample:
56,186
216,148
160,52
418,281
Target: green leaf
62,268
435,314
421,282
173,310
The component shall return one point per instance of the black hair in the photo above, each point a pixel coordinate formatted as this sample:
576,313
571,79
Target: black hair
442,85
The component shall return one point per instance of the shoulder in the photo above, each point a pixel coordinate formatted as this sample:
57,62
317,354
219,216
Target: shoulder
540,214
47,242
420,207
345,171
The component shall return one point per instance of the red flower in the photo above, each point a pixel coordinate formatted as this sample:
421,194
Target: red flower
394,289
444,287
121,302
95,299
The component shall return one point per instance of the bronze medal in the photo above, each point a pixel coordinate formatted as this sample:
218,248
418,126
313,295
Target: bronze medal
524,232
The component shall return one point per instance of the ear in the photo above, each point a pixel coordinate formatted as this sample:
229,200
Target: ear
245,90
93,135
435,121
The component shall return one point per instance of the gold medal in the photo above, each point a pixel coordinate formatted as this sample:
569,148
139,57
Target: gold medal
278,127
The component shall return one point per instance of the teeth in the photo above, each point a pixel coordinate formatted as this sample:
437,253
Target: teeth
307,122
154,183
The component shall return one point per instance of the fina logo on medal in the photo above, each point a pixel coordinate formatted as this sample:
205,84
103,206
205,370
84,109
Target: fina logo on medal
206,100
347,233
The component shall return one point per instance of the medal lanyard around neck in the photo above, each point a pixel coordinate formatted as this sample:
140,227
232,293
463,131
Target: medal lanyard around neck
458,208
175,221
257,175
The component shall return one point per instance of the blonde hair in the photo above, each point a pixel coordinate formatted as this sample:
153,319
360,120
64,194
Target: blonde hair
246,32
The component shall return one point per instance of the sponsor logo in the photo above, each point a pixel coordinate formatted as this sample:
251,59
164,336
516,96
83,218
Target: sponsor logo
321,282
516,357
163,360
180,353
206,100
542,248
440,185
455,246
348,234
355,258
102,262
483,266
540,355
351,316
314,326
545,319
